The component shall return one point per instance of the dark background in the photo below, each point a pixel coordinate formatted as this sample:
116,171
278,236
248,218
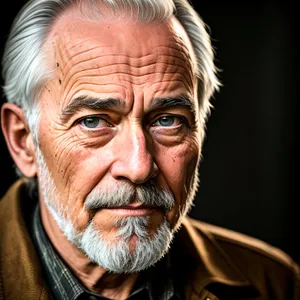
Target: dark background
250,162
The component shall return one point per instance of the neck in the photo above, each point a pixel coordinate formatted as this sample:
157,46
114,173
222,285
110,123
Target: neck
92,276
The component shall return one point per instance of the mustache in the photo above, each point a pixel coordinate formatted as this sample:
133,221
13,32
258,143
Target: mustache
121,195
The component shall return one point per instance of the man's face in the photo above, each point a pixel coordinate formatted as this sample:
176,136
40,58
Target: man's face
121,111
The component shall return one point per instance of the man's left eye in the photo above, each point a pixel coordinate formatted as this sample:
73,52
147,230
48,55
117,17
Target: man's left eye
93,122
168,121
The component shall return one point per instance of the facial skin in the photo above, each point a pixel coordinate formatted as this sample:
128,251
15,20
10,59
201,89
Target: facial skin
120,109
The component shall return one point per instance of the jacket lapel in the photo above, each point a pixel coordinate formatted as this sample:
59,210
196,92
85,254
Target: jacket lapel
201,262
21,274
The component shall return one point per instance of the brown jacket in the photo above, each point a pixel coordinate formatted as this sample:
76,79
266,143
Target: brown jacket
211,262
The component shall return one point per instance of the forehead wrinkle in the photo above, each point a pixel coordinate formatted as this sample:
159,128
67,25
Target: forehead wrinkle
129,60
181,53
176,60
175,43
162,69
85,77
136,68
181,71
69,35
134,61
78,86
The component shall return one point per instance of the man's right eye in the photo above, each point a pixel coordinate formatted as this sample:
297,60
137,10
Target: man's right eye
93,122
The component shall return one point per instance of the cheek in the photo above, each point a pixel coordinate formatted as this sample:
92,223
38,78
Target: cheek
90,166
178,164
76,171
178,168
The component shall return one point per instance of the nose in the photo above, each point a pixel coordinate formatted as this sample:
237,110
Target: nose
133,158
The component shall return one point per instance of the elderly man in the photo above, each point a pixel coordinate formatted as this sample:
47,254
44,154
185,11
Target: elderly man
107,103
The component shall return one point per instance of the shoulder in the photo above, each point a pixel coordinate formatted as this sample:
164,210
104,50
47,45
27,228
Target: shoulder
269,269
230,240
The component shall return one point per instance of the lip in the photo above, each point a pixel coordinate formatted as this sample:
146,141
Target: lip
134,209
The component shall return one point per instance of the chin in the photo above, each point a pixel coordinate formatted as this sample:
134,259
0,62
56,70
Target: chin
132,250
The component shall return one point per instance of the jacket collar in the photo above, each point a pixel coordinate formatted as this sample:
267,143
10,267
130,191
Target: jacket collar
207,263
19,263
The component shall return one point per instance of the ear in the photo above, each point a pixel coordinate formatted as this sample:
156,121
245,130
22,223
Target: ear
18,138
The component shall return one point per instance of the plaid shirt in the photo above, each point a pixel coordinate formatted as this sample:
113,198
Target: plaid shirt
64,285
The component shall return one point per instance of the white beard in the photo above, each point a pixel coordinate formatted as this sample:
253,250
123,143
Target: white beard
114,256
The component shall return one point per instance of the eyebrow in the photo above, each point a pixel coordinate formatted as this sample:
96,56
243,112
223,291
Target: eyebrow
116,104
92,103
179,100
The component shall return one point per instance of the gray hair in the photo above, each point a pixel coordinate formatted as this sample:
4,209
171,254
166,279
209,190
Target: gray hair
25,71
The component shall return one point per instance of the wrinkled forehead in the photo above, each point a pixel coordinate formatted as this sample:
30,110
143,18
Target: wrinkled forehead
73,34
